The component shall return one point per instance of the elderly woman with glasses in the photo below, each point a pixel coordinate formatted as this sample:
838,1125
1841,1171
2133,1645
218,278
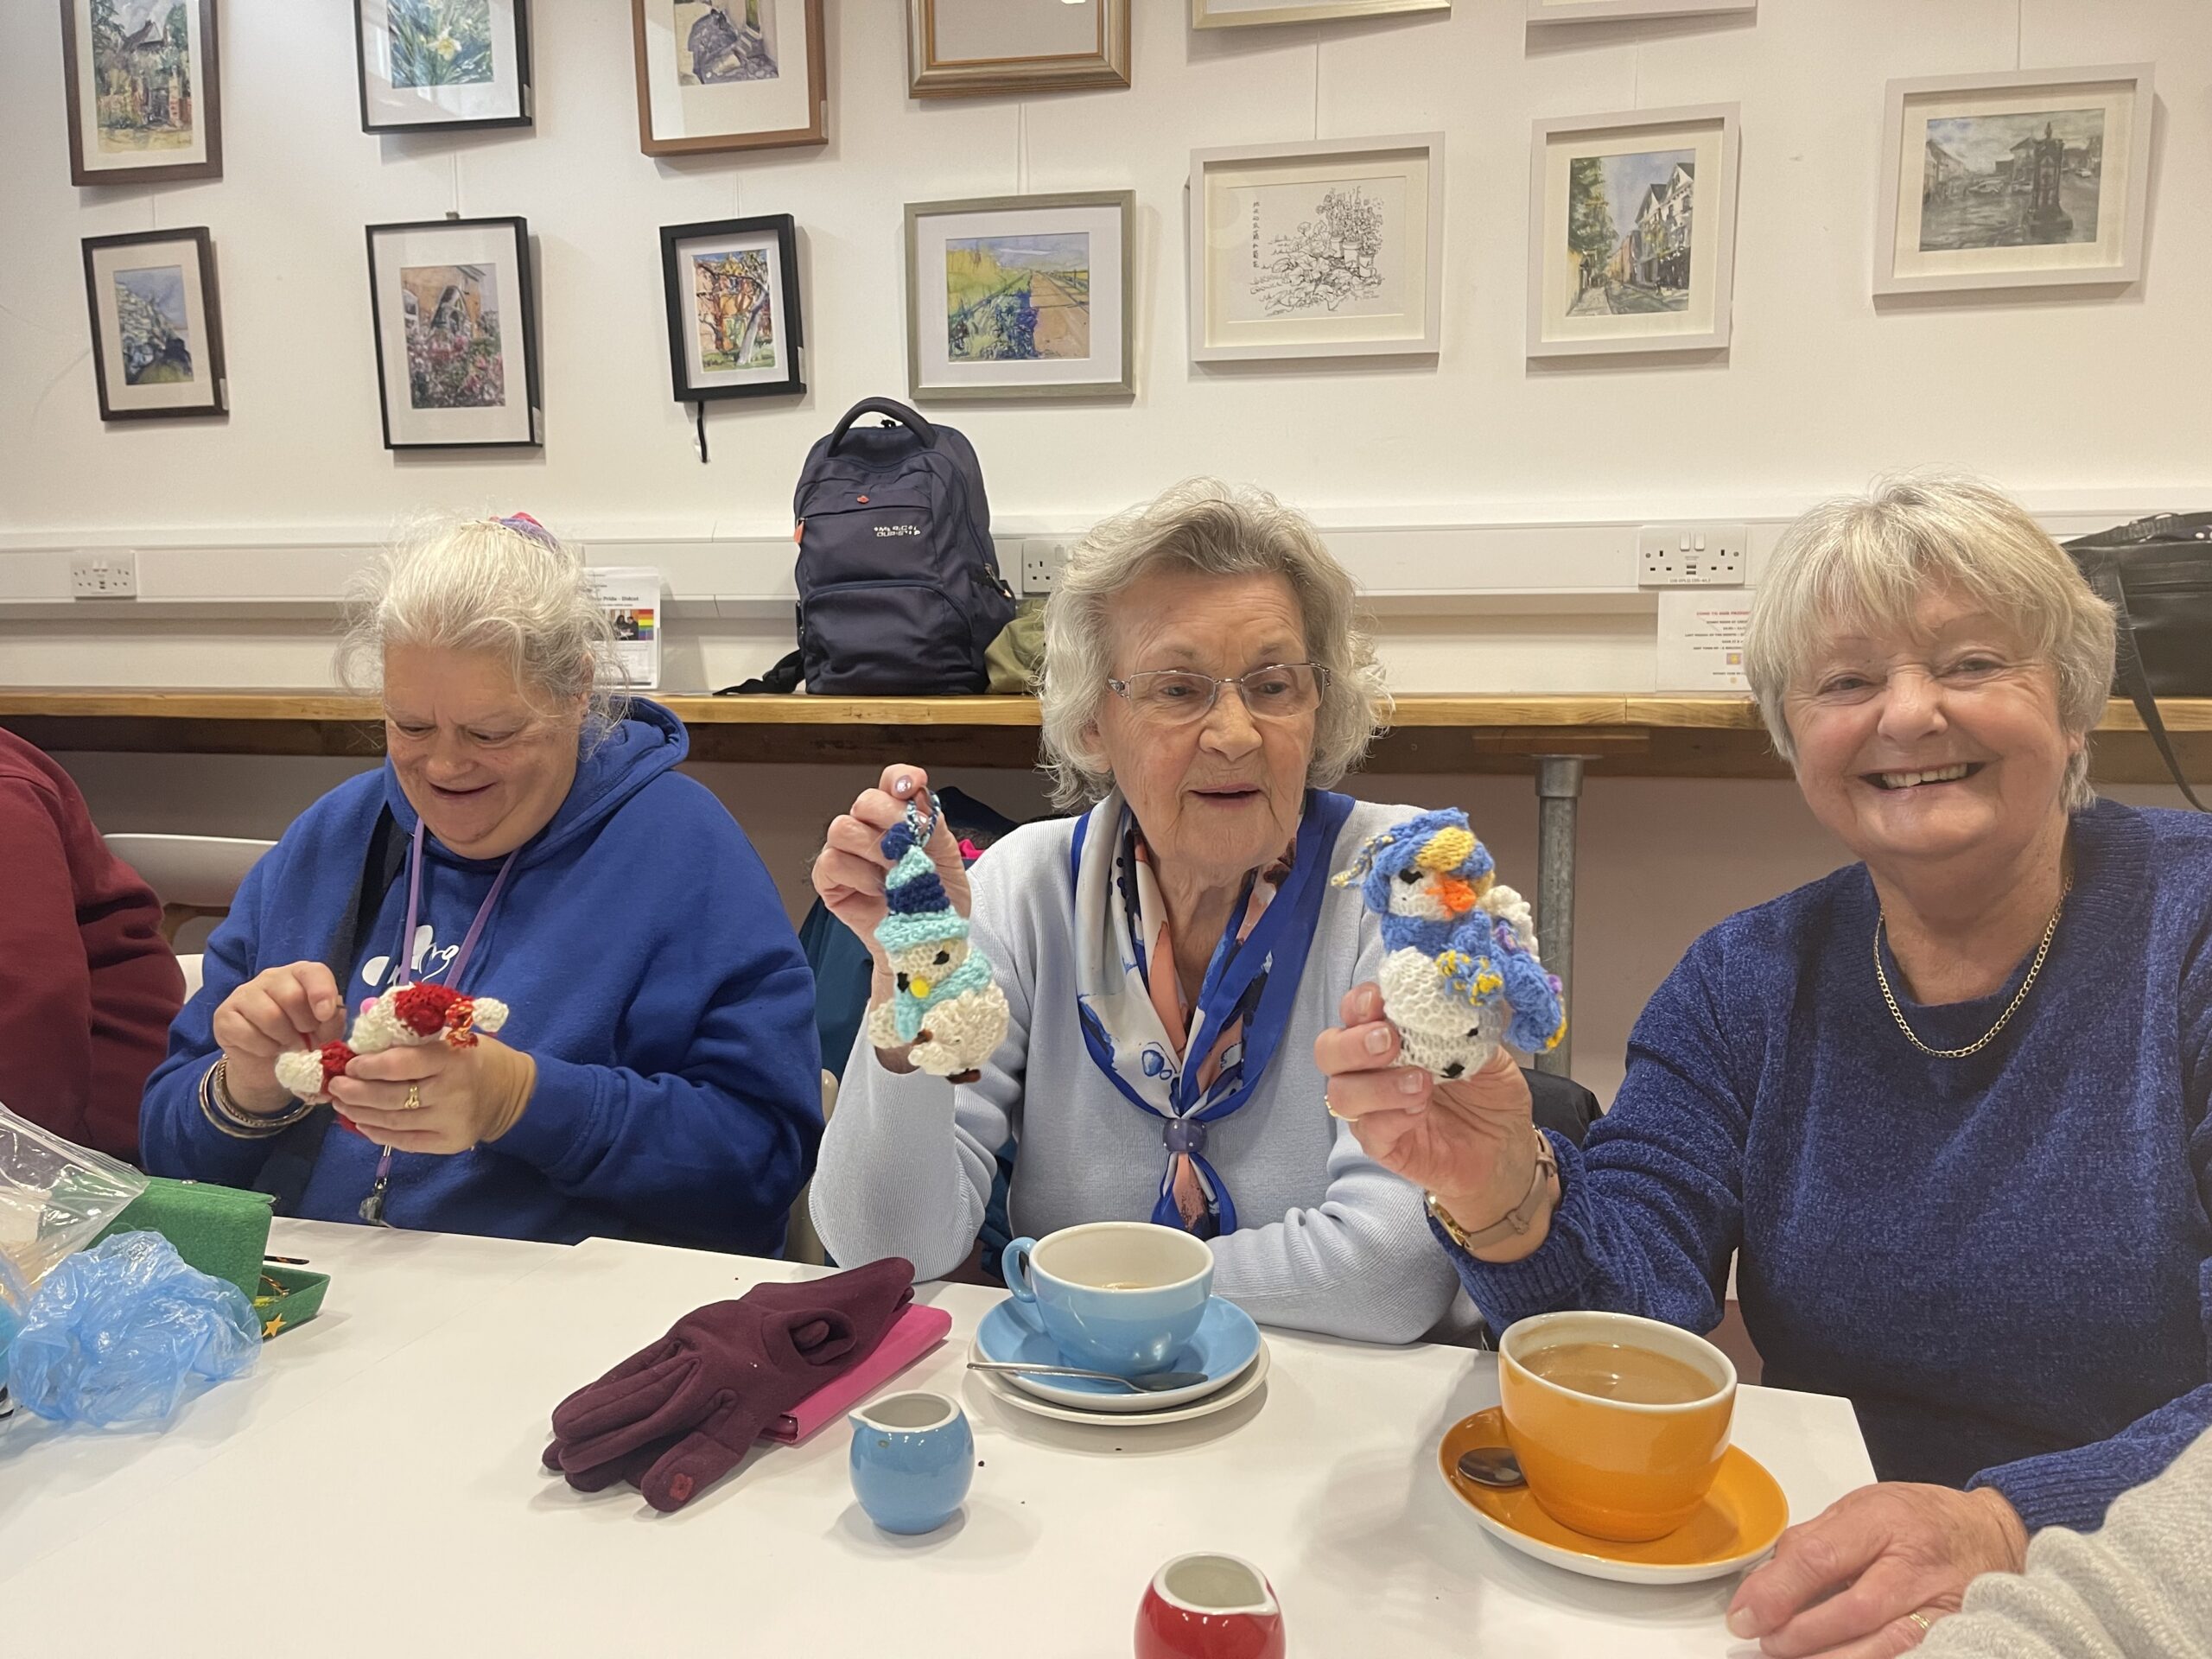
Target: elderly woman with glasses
1946,1108
1170,956
527,839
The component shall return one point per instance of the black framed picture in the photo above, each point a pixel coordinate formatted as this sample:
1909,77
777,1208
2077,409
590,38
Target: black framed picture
456,334
157,326
143,91
734,328
436,66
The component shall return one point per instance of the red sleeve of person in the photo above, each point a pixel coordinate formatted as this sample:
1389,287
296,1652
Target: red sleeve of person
87,984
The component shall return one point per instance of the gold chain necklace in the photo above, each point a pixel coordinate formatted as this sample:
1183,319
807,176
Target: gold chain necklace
2010,1008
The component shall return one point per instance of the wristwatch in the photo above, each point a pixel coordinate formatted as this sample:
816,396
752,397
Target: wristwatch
1516,1221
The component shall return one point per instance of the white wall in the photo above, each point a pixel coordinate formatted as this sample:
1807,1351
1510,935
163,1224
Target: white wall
2081,405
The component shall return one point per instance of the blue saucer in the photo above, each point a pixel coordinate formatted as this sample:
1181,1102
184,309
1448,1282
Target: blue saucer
1223,1346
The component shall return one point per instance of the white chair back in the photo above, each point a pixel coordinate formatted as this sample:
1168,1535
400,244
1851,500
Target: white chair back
201,871
190,963
801,1241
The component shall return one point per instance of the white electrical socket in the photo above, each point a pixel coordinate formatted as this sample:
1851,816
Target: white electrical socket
1691,556
111,575
1041,561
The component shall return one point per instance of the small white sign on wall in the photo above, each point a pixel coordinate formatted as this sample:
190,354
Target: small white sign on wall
631,596
1702,638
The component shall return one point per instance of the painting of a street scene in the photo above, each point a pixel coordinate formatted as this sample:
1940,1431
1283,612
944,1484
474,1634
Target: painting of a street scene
441,42
1015,297
2008,181
730,299
722,41
1629,230
142,74
151,320
453,336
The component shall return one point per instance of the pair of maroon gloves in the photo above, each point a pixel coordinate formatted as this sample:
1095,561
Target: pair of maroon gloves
680,1415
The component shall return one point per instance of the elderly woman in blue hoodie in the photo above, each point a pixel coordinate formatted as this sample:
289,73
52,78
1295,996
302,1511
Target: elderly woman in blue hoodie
658,1073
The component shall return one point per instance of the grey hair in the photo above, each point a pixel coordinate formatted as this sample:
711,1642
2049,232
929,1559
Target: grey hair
1867,561
486,585
1220,530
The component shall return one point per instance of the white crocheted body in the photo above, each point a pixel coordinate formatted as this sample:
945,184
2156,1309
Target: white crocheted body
376,1028
300,1071
960,1035
1437,1028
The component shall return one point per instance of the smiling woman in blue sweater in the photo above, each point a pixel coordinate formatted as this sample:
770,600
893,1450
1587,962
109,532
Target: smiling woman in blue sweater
1947,1107
657,1075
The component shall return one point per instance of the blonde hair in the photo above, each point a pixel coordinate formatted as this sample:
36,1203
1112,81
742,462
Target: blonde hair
1868,561
504,587
1219,530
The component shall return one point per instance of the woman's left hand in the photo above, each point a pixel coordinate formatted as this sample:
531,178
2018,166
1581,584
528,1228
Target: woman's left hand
468,1096
1846,1584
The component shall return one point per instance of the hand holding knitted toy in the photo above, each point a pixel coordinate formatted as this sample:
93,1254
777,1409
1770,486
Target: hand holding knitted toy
404,1015
1462,974
946,1005
279,1011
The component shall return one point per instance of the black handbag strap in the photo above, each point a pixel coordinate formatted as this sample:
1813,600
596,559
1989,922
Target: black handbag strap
291,1163
890,409
781,680
2159,527
2101,566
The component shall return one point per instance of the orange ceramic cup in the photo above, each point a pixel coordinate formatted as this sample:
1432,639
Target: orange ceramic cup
1608,1467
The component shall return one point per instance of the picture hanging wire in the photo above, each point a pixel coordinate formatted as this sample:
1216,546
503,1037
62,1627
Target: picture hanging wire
702,407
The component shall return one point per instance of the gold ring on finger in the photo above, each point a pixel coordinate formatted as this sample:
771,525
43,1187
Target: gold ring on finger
414,1097
1920,1619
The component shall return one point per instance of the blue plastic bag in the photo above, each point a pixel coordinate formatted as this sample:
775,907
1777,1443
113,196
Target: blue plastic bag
120,1333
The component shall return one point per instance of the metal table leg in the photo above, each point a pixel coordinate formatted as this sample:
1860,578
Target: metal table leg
1559,793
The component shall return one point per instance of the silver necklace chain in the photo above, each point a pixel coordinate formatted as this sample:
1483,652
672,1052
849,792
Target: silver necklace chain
2013,1008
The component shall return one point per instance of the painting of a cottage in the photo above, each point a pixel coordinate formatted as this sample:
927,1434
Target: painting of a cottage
142,74
453,336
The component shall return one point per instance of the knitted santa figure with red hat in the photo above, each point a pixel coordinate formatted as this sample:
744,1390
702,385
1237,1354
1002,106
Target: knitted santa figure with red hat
406,1015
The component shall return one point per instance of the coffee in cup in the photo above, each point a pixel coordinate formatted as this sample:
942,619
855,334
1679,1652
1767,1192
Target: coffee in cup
1619,1422
1119,1296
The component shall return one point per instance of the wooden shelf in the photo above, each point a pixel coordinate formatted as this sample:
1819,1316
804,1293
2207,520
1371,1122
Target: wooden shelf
1629,736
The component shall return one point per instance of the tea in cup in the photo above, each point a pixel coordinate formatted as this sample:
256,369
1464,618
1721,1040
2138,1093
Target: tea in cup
1119,1296
1619,1422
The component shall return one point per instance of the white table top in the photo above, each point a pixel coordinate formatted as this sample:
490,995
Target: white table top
391,1479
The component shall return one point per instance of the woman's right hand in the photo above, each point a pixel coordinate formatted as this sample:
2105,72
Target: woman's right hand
1471,1142
848,871
279,1009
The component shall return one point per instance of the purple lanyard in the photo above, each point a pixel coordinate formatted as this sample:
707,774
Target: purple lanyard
415,904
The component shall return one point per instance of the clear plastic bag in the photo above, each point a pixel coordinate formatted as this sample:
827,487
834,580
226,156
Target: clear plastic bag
120,1333
55,1198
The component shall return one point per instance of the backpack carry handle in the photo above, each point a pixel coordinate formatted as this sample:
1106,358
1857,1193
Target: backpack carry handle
892,409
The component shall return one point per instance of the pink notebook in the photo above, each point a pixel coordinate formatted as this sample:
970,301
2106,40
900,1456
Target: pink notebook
912,1335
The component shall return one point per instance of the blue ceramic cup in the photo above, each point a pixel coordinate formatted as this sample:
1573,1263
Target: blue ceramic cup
913,1457
1119,1296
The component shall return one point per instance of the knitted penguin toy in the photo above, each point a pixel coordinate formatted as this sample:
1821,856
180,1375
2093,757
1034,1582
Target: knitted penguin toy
1462,974
947,1005
405,1014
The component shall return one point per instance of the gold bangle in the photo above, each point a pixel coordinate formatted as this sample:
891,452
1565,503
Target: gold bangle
1516,1221
232,1119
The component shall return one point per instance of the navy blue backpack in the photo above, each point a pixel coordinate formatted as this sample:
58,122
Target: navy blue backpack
899,593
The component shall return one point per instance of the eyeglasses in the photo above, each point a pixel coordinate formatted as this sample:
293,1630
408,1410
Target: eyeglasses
1176,696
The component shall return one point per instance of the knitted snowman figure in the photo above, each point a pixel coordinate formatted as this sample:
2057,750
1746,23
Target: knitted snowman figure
947,1005
408,1015
1462,974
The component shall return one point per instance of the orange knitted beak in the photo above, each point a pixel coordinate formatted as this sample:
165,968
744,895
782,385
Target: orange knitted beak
1457,897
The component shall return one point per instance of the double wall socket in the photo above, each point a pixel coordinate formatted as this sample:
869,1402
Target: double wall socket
1041,561
1691,556
111,575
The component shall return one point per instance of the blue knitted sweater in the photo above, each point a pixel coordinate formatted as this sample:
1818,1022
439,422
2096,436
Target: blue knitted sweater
2002,1260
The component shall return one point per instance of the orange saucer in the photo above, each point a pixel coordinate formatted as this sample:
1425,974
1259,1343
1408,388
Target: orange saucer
1738,1522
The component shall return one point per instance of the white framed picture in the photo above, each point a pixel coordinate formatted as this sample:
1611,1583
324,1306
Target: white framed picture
442,66
1317,250
1632,232
2018,180
456,334
1584,11
1239,14
1021,296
